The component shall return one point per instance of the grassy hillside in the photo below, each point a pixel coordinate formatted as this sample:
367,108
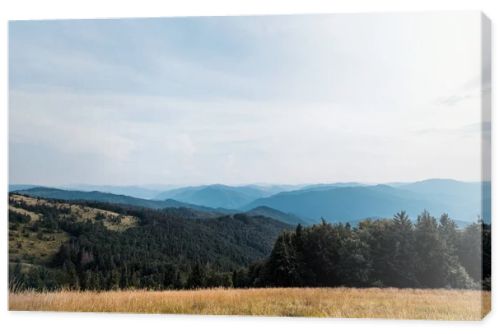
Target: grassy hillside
77,212
33,239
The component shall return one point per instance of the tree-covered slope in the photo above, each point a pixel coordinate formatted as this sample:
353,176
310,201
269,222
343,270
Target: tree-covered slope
278,215
163,248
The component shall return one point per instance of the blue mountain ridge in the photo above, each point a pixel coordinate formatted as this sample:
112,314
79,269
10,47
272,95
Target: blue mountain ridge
346,202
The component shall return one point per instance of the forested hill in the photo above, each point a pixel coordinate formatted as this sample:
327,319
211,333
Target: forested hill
278,215
54,244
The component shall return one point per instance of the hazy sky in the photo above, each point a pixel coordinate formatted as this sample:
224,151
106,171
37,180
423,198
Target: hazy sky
277,99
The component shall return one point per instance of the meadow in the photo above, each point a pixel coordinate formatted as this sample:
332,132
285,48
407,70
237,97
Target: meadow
439,304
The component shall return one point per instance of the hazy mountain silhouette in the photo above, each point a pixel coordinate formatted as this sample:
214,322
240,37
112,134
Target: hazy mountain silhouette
133,191
216,195
277,215
462,201
97,196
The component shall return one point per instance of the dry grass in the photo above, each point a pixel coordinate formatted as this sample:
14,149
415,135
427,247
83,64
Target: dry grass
34,216
27,247
307,302
111,220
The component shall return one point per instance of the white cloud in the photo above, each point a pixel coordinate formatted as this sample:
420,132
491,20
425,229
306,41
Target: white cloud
277,99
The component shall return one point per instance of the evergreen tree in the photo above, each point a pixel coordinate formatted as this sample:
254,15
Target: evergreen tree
72,276
430,252
283,265
448,232
403,260
470,250
197,277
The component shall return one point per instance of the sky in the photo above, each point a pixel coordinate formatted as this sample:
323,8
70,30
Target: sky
238,100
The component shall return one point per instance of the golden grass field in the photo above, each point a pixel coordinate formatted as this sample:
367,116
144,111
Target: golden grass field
301,302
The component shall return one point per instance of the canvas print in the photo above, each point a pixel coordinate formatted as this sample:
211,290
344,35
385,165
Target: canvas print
287,165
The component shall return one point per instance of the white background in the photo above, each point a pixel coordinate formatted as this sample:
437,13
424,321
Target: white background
19,322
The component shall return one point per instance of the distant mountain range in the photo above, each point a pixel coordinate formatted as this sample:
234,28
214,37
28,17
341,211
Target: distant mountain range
133,191
463,201
221,196
201,195
16,187
214,195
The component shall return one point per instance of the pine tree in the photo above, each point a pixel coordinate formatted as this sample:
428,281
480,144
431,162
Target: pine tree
430,253
197,277
404,251
470,250
72,276
283,265
449,233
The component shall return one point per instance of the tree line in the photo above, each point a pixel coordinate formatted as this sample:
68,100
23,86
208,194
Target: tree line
382,253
